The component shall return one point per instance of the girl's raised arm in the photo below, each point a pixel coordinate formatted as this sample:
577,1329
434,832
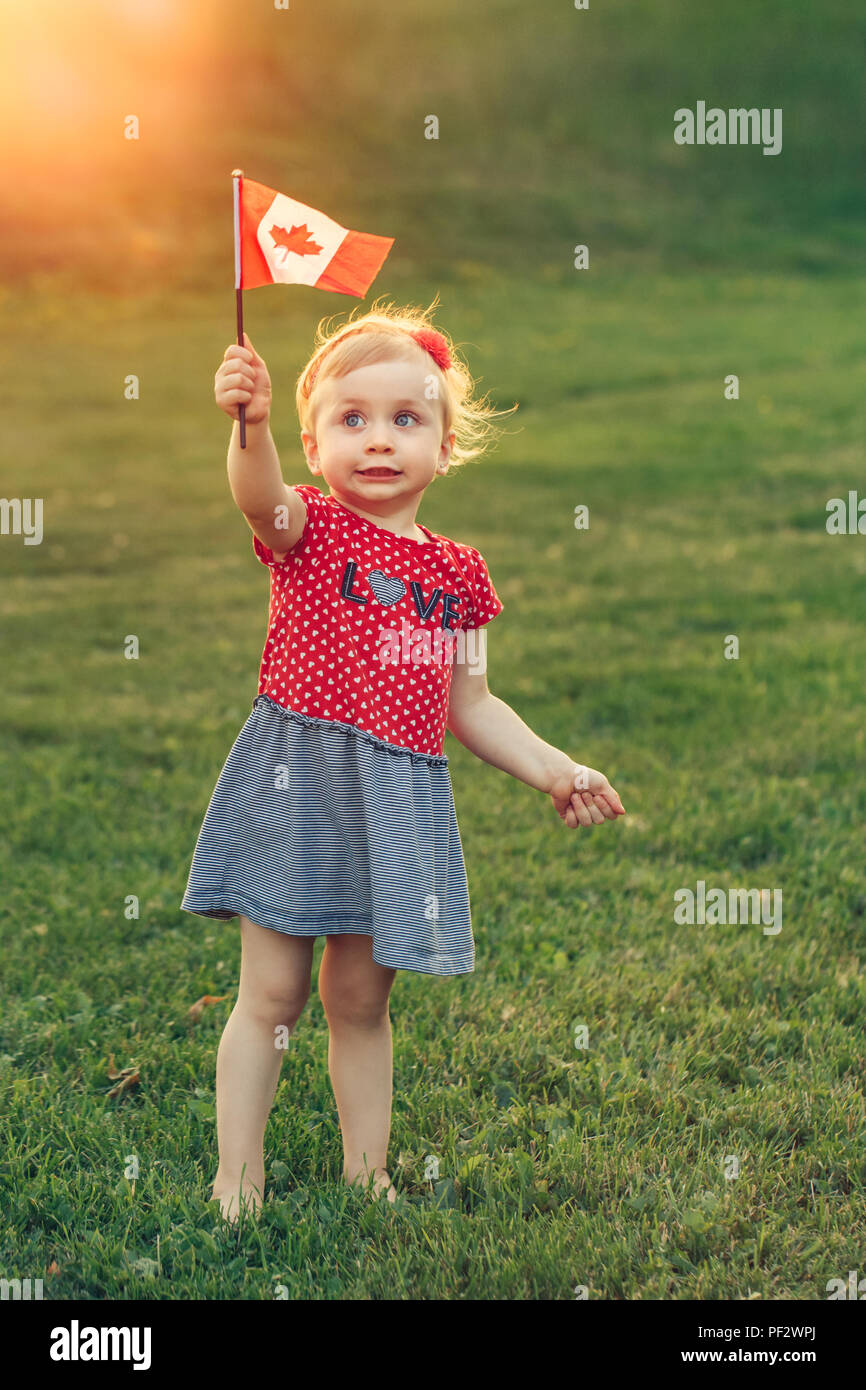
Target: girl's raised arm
274,512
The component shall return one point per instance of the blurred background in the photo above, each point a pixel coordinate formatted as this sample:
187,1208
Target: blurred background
553,121
707,519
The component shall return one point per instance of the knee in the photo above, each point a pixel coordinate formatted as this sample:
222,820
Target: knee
352,1007
276,1007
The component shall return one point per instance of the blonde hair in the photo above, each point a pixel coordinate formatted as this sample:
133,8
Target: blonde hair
383,335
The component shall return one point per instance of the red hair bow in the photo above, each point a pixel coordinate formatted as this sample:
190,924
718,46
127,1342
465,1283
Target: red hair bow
433,342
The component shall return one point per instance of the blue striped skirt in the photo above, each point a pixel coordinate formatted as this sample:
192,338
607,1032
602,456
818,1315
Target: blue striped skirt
317,828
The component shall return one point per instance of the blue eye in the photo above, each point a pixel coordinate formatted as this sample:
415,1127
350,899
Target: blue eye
350,414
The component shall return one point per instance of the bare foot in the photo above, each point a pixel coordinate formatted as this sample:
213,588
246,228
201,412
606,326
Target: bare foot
382,1182
228,1200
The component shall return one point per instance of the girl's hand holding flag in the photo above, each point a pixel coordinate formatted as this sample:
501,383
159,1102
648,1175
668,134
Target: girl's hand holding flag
242,379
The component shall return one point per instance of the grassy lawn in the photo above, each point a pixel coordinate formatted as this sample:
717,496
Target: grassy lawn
558,1166
607,1166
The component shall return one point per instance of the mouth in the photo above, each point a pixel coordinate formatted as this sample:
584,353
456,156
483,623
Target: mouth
379,471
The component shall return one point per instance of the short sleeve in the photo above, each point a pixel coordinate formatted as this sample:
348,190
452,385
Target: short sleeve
486,603
314,527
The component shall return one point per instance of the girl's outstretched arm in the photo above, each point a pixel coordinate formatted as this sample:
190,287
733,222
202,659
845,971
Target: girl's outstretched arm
493,732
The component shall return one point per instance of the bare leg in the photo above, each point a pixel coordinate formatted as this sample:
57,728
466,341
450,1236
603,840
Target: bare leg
274,987
354,991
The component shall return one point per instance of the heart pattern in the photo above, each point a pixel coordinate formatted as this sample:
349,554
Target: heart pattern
321,652
387,588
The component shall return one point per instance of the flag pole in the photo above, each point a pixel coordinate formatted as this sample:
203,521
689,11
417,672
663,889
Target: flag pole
237,175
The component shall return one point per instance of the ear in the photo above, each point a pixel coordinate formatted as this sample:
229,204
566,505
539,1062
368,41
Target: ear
445,450
311,450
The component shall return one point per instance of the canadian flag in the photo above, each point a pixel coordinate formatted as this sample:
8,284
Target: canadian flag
284,242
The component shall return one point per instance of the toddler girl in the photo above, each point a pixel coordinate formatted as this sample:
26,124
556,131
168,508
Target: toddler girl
333,815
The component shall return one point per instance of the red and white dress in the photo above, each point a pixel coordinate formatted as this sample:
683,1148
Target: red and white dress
334,811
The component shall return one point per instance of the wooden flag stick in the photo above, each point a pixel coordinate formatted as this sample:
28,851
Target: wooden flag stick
237,175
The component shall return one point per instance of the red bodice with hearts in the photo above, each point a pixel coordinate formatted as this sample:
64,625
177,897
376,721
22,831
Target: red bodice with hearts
364,626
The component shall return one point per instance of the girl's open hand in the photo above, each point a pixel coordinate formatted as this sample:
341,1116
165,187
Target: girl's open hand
242,379
583,796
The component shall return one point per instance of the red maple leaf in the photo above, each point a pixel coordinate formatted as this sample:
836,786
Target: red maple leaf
298,240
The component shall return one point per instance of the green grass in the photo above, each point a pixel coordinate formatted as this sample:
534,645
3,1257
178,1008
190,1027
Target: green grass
559,1166
562,1167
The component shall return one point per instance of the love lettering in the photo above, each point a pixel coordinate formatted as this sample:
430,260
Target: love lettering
389,589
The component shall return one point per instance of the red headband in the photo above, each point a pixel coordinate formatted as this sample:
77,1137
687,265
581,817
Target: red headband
428,338
433,342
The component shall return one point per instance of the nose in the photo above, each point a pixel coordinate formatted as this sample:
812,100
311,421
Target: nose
379,443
